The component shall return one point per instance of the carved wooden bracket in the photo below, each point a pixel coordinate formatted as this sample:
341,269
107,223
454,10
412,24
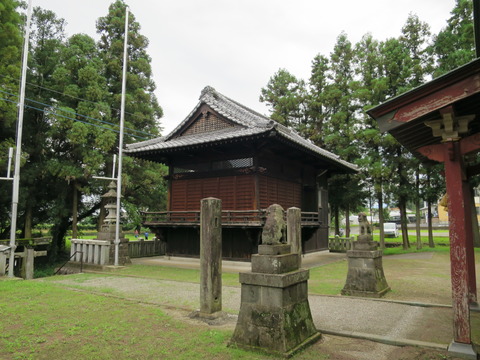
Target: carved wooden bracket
450,127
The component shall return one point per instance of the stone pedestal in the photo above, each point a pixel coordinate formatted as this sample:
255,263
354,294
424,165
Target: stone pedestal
365,270
274,313
107,232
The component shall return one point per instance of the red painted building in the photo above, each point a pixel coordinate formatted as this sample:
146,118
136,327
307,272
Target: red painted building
228,151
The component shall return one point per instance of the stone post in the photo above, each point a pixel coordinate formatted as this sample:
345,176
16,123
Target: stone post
210,257
294,231
3,261
27,263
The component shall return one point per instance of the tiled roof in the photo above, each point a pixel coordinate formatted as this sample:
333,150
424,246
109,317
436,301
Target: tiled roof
248,123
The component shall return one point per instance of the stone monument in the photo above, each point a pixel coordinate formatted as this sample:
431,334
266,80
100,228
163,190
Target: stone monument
210,260
107,230
274,312
365,275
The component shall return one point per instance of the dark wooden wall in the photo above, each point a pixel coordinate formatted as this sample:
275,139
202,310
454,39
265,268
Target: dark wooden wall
236,192
237,244
278,191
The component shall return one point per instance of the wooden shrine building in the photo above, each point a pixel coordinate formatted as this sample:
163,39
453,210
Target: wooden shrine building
228,151
440,122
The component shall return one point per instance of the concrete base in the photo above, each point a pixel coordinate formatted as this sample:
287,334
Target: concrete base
274,314
464,351
369,294
209,318
365,272
310,341
108,232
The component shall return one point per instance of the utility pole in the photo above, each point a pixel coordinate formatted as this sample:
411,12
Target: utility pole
18,150
120,141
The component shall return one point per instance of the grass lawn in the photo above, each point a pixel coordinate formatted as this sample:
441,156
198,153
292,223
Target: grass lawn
45,320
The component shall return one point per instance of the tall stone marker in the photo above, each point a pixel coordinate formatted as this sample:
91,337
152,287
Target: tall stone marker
274,312
365,275
210,258
294,231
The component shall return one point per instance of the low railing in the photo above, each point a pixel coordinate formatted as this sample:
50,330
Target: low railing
96,252
243,216
229,217
193,217
339,244
144,248
171,217
29,241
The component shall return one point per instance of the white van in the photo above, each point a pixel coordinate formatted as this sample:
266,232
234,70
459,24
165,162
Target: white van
390,229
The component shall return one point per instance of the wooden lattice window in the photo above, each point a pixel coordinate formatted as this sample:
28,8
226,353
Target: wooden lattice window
207,122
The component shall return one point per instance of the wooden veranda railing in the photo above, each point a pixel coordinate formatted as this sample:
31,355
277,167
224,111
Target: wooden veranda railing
253,218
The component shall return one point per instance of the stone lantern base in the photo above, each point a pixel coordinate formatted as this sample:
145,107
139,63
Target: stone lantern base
107,232
365,271
274,313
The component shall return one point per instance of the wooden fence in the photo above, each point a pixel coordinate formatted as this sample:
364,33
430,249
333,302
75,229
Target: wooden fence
144,248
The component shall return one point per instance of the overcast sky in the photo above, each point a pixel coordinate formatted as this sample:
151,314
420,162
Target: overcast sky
237,45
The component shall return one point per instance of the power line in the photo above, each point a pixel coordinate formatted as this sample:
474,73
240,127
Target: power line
70,118
84,116
67,95
74,113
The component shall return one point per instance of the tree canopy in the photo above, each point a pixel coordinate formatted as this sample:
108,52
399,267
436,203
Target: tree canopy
72,120
355,78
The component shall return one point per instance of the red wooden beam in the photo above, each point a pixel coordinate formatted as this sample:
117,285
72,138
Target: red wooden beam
436,100
461,241
470,144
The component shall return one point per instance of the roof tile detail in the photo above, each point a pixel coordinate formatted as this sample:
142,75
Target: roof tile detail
249,123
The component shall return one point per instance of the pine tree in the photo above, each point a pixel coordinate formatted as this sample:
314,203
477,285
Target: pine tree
286,96
143,183
455,45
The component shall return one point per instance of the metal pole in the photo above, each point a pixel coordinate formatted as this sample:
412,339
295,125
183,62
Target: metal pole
18,152
10,155
120,142
114,165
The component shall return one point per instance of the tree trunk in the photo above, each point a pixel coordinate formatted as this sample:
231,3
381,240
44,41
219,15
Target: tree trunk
75,212
59,231
431,243
417,211
347,221
381,220
28,222
403,220
337,221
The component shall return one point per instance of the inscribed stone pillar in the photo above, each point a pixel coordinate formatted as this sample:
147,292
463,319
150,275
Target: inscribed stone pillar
210,256
294,231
